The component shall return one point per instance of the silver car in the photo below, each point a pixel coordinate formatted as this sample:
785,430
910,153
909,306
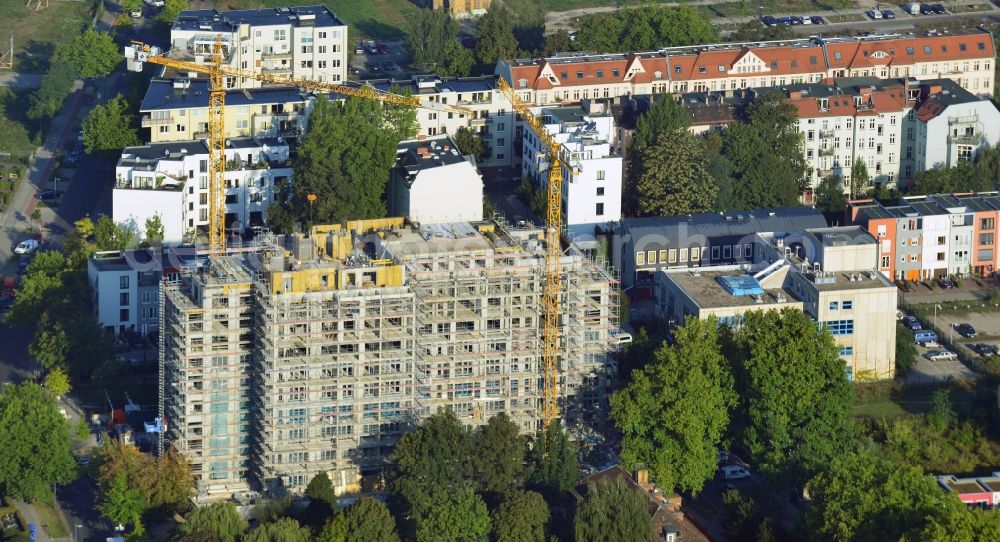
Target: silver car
940,355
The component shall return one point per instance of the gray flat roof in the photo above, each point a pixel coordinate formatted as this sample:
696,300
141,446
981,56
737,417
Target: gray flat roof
722,224
432,84
419,154
706,290
841,236
161,94
213,20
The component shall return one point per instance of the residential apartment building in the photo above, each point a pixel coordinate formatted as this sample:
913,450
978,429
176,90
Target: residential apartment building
493,120
966,57
592,166
460,8
925,237
315,354
170,180
303,42
826,272
126,286
432,183
946,126
978,492
177,110
642,247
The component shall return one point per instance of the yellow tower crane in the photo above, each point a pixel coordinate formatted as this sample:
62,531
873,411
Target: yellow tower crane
553,252
139,53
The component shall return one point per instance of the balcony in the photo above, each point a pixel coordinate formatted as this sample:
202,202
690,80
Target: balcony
148,122
966,139
277,70
271,55
827,151
826,133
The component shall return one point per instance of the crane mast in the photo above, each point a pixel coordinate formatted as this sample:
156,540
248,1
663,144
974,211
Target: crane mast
553,253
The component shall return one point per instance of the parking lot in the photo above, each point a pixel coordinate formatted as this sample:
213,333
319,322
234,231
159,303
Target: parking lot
926,371
379,60
879,13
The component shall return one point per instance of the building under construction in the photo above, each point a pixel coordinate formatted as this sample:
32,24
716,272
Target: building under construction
315,353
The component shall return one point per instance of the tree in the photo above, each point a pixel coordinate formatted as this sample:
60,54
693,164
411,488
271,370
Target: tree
367,520
154,229
123,503
865,497
433,44
906,350
131,5
497,455
552,464
612,512
643,29
942,414
675,411
171,9
765,150
322,499
495,38
964,177
558,42
36,451
433,457
345,157
108,127
52,90
860,181
282,530
962,525
111,236
795,395
521,517
672,179
988,166
469,143
754,30
50,345
830,198
452,515
81,430
57,382
220,519
665,116
91,54
171,481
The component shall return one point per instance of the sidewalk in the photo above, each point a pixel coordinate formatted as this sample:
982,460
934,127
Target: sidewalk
29,514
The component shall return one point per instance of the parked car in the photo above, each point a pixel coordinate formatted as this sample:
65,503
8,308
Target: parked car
359,49
135,14
966,330
938,9
945,283
806,20
926,9
985,350
874,14
769,20
734,472
816,19
155,3
924,336
383,49
787,21
888,14
940,355
26,247
912,323
796,20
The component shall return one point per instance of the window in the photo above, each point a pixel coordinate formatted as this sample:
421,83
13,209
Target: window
640,258
840,327
663,256
599,210
885,262
715,253
833,305
727,252
847,305
123,298
672,255
123,282
123,315
600,175
684,254
748,250
965,153
847,351
600,74
695,254
600,190
651,256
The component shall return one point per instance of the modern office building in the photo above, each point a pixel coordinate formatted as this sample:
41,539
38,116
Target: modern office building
303,42
826,272
592,166
314,354
967,57
170,180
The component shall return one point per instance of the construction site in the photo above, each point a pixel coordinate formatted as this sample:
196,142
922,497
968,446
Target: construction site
315,352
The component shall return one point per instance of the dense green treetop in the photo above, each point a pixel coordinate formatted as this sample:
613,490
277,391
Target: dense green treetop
92,54
108,127
643,29
613,512
220,519
36,443
521,517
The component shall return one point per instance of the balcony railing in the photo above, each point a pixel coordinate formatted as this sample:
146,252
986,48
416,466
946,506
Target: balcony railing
148,121
271,55
966,139
827,151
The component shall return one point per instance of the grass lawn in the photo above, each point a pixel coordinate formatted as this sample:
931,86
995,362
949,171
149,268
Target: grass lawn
911,400
14,136
51,520
850,18
36,32
368,18
969,8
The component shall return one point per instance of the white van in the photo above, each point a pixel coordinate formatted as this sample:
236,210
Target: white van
734,472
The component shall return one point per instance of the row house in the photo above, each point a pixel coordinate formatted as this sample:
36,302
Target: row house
925,237
176,110
170,180
304,42
966,57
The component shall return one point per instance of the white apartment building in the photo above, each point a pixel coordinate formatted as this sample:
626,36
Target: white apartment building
966,56
177,110
494,116
948,126
432,183
305,42
592,171
170,180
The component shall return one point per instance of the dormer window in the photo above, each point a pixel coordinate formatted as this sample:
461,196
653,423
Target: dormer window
616,73
824,104
836,55
774,64
564,75
677,69
658,74
702,69
927,49
722,68
909,51
522,83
